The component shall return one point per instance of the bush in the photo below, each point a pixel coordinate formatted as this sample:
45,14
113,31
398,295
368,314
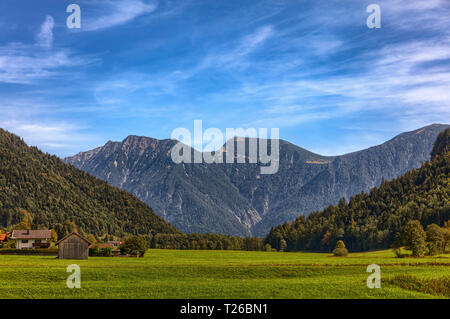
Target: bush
107,251
340,252
399,253
94,251
340,249
134,245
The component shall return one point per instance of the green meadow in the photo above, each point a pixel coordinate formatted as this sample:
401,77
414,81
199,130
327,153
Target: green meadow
227,274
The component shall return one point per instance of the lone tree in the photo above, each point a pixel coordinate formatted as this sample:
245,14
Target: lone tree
340,249
435,239
134,245
415,238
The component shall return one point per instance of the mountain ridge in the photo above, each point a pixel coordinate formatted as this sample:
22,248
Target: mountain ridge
236,199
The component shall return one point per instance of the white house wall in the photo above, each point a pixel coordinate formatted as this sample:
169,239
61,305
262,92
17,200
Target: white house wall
20,245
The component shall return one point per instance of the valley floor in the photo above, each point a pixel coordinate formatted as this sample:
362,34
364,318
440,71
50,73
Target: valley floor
226,274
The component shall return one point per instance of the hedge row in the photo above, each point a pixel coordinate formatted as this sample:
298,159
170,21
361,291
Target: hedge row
97,251
29,252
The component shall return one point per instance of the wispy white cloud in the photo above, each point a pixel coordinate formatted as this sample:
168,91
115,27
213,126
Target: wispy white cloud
24,63
45,37
58,137
402,6
117,13
252,41
392,80
289,76
233,55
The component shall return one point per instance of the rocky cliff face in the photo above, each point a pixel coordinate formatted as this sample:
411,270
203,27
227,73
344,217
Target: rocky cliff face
235,198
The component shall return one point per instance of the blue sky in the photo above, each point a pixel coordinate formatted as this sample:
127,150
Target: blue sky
310,68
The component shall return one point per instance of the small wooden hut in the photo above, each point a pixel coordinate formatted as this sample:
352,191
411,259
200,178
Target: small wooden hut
73,246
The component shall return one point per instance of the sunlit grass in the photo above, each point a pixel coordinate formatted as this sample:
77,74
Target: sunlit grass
219,274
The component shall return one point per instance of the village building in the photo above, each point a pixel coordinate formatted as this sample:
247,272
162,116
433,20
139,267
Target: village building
29,239
3,238
73,246
115,243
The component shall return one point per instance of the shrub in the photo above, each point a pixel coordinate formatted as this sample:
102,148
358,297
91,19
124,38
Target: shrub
340,249
107,251
435,240
94,251
340,252
134,245
399,253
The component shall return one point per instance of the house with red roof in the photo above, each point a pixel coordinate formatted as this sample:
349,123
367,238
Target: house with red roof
3,238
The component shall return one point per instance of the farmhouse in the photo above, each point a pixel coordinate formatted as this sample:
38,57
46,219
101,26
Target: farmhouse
115,243
28,239
73,246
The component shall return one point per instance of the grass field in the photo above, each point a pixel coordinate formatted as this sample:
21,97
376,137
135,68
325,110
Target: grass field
226,274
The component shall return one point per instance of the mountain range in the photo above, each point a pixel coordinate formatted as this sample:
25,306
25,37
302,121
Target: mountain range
236,199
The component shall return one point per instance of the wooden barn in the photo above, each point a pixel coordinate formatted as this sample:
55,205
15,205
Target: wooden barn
73,246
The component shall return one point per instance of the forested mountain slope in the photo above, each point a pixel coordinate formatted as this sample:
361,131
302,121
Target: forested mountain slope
53,192
371,221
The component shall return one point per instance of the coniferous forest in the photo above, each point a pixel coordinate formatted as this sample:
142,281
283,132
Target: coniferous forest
372,221
48,193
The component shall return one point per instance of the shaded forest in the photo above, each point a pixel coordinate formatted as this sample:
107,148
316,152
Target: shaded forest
373,220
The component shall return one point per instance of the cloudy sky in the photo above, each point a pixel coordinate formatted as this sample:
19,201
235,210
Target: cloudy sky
310,68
